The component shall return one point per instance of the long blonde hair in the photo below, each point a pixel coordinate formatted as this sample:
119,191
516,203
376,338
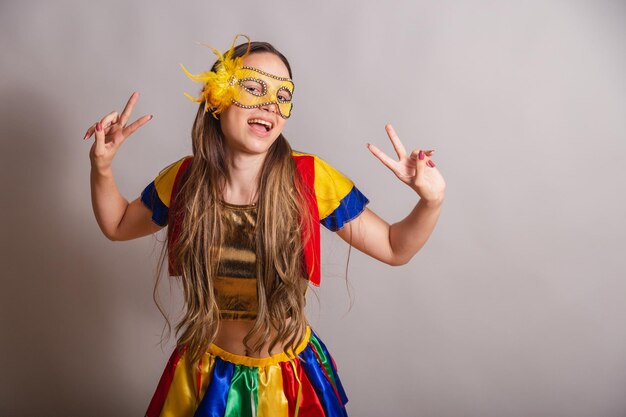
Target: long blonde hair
281,213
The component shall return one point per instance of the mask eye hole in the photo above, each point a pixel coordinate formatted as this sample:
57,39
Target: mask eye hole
284,95
253,86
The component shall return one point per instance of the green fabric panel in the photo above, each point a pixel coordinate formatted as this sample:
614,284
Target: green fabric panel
243,394
328,366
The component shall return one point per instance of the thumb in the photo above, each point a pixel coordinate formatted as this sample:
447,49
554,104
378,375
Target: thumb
419,159
100,148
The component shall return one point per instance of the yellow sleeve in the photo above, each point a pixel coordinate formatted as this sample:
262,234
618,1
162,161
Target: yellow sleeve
157,195
338,199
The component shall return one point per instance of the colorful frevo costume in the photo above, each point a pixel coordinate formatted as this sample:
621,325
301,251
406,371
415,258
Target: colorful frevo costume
304,383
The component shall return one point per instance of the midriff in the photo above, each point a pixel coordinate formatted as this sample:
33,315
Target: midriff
230,338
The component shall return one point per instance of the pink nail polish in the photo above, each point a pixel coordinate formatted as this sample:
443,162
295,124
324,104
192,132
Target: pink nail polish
86,135
431,163
420,155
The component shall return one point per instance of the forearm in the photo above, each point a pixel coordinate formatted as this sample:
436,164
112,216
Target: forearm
398,243
409,235
108,204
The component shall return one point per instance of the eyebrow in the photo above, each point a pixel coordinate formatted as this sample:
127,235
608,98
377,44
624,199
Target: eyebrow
268,74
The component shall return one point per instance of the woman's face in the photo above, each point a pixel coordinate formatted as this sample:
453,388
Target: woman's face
246,130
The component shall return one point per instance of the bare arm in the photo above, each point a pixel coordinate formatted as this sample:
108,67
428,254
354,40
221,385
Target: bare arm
118,219
396,244
392,244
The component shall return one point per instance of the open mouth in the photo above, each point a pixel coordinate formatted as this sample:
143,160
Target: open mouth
260,125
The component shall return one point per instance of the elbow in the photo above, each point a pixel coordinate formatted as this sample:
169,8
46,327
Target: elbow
401,259
107,232
115,238
398,261
112,235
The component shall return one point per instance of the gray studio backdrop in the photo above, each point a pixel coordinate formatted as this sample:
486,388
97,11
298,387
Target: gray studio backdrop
516,306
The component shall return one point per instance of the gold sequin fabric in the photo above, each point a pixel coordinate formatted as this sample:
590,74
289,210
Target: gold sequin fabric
236,280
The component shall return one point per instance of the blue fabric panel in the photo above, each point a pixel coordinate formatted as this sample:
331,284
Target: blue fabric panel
213,403
342,392
349,208
323,387
150,198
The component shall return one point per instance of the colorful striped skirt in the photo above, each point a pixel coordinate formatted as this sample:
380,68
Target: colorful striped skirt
223,384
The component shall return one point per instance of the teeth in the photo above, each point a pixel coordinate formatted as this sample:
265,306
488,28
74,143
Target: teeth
261,122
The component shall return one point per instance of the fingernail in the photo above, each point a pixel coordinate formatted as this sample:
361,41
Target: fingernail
420,155
86,135
98,126
431,163
151,116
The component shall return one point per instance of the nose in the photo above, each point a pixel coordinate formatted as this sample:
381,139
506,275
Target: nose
273,107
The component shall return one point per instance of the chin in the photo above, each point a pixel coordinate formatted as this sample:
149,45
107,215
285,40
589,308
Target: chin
261,144
255,146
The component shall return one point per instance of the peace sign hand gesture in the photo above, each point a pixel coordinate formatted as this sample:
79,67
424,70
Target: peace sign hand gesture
416,170
110,133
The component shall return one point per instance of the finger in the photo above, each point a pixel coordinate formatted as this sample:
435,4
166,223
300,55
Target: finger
429,161
415,154
109,119
129,108
105,121
420,159
100,148
90,131
387,161
130,129
419,156
395,141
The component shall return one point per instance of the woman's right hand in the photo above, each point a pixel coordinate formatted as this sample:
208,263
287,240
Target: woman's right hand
110,133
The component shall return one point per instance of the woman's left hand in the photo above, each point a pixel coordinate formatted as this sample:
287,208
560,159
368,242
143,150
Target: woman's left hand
416,169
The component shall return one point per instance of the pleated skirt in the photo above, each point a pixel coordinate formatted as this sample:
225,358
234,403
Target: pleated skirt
223,384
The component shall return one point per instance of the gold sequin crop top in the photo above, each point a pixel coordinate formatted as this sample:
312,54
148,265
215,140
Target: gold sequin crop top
235,283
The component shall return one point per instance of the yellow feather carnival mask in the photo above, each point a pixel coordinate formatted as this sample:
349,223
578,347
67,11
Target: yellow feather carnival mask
246,87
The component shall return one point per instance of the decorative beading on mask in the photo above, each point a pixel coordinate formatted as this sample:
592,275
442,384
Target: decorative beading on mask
246,87
259,88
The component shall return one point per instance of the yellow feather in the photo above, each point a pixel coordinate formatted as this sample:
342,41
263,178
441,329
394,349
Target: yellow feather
217,92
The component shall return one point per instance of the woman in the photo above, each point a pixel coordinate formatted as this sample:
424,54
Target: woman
243,215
